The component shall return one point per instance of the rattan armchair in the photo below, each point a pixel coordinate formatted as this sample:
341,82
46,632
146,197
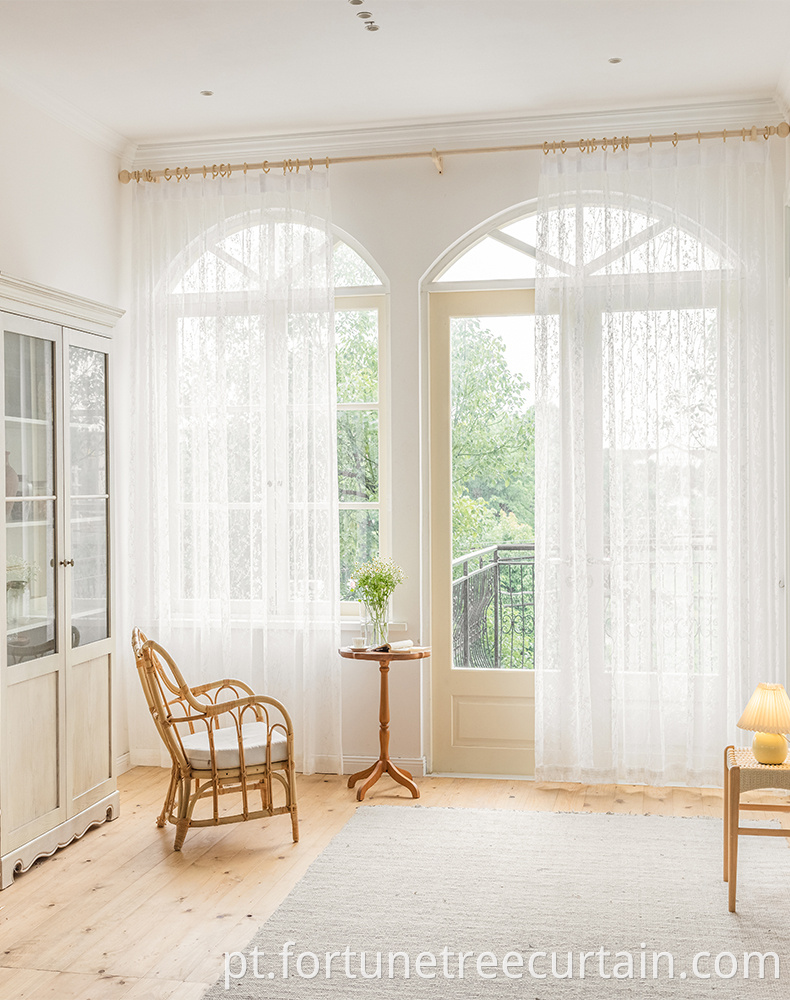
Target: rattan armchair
222,738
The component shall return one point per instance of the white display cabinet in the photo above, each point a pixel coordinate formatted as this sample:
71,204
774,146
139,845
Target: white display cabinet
57,767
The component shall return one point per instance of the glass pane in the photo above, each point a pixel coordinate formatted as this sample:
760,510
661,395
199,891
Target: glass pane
359,542
88,389
89,573
89,497
357,355
350,269
525,230
488,261
29,426
358,456
30,579
493,462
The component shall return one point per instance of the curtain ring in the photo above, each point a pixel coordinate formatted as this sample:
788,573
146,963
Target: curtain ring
545,149
650,141
245,169
563,147
311,163
675,139
186,172
724,135
698,139
166,173
266,168
327,163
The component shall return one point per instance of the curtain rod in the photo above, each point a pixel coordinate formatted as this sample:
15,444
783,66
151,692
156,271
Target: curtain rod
782,130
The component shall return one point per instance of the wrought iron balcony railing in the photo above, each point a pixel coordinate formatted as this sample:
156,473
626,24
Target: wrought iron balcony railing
494,608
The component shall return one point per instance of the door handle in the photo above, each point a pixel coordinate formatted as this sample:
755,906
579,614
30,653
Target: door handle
66,562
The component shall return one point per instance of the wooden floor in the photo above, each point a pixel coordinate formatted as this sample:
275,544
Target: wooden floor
120,914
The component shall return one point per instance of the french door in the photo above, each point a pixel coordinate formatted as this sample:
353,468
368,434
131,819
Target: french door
482,555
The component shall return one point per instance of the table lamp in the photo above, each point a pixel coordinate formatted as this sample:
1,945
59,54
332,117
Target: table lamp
767,715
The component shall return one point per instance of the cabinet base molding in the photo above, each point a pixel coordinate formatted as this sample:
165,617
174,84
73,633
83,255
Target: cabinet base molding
20,860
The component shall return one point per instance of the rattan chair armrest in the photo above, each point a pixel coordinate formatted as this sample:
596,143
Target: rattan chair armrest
228,682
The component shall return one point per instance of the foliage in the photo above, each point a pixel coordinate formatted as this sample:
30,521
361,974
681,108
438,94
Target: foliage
493,443
357,437
375,581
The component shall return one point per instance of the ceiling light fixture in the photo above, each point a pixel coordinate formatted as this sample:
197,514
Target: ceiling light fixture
615,59
364,13
206,93
371,26
355,3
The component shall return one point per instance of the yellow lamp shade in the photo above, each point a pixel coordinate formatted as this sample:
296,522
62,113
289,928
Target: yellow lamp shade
768,710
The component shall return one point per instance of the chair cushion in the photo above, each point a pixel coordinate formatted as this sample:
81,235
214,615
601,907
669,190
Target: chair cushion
226,746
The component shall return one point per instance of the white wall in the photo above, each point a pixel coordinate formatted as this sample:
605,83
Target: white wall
59,204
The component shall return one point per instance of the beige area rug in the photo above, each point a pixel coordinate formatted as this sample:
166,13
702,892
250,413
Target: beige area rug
526,895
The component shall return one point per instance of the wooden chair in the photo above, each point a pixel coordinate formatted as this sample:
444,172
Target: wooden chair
217,747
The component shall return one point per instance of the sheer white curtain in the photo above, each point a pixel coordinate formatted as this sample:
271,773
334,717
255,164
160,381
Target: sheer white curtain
234,507
659,450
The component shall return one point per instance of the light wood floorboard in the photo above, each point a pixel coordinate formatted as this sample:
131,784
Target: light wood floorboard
120,914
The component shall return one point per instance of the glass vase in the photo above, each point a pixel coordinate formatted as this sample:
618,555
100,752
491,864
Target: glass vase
375,624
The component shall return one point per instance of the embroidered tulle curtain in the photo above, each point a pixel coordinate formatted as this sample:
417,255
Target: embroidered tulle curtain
659,507
234,504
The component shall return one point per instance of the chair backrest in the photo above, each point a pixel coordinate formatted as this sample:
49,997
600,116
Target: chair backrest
166,692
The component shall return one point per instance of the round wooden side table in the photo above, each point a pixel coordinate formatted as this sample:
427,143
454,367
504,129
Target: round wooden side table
384,765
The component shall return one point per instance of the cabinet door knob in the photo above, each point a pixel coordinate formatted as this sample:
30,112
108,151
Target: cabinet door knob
66,562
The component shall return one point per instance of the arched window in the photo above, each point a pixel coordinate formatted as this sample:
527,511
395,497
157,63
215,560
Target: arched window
216,283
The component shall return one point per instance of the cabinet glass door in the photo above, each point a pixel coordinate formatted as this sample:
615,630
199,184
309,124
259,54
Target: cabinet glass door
30,497
89,495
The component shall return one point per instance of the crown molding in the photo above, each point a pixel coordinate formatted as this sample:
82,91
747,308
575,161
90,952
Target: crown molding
28,298
64,112
467,133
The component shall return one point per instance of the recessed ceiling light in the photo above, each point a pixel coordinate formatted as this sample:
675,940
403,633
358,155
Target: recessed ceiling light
371,26
615,59
355,3
206,93
364,13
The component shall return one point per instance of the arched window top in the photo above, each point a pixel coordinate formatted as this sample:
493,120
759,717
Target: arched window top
641,243
350,269
232,263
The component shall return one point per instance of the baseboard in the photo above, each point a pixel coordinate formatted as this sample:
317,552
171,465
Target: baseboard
145,758
123,763
351,764
415,765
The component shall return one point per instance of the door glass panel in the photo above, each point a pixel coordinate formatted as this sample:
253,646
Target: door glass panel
493,484
30,473
89,495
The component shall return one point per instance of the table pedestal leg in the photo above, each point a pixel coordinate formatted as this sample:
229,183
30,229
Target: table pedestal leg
383,765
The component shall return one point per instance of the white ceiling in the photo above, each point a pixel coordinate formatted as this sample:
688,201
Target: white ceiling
292,66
